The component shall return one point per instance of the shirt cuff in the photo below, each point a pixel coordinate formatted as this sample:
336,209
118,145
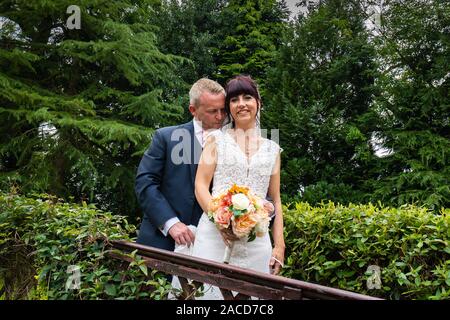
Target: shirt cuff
169,223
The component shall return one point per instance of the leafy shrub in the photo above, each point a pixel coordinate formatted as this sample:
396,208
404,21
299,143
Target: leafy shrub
334,245
40,238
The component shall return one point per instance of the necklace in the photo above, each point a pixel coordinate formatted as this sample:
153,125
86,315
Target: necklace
247,147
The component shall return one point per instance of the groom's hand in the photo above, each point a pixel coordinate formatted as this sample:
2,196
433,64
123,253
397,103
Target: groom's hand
182,234
228,236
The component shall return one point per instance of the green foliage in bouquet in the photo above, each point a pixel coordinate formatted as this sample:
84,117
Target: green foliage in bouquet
41,237
337,246
237,212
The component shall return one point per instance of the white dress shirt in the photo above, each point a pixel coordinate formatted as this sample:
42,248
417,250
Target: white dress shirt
201,136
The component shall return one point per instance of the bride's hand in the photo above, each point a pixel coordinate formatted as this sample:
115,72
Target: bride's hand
277,260
228,236
270,208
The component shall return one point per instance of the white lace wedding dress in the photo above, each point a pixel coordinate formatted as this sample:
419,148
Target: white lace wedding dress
233,167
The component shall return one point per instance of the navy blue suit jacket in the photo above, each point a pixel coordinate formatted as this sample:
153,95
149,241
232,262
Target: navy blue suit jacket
165,183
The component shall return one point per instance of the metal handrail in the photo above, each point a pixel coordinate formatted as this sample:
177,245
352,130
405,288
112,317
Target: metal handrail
232,278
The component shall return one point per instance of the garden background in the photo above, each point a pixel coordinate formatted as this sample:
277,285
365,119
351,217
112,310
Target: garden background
359,91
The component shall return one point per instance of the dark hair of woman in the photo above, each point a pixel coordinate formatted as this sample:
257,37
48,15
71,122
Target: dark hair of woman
241,84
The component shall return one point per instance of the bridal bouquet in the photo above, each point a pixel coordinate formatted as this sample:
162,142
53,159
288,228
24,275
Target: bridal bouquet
239,210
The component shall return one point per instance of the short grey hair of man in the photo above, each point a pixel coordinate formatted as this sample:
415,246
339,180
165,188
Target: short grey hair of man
204,85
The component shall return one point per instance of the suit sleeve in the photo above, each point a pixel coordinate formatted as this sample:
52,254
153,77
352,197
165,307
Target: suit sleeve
150,172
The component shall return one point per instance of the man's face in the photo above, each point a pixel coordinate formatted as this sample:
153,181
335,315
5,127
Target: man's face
210,111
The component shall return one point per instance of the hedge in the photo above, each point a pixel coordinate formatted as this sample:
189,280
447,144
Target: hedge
329,244
41,237
339,246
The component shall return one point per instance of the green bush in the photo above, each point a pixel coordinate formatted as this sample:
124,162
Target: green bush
41,237
334,245
330,244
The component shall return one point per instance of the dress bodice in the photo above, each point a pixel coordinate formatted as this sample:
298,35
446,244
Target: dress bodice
233,166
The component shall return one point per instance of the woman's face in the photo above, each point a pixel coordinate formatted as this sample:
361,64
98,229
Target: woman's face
244,108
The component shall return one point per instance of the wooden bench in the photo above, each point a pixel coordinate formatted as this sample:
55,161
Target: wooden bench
228,278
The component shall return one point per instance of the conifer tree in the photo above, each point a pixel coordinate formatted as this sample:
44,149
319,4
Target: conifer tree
222,38
414,42
252,34
319,95
192,29
78,106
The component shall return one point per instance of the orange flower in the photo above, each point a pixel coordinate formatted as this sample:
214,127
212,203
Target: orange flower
243,225
254,218
238,189
213,206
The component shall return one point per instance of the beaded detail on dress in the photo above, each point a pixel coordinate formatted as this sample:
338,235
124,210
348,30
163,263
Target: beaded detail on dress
234,167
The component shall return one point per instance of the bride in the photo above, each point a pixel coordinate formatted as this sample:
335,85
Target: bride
239,155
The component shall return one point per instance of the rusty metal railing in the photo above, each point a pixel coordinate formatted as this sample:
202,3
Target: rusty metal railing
228,278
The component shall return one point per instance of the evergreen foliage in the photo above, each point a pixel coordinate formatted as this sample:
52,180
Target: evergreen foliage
319,95
222,38
251,37
78,106
192,29
414,106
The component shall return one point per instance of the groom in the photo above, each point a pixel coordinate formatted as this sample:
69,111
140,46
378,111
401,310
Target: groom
166,174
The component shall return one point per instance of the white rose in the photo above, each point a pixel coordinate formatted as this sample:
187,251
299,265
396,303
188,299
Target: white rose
240,201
